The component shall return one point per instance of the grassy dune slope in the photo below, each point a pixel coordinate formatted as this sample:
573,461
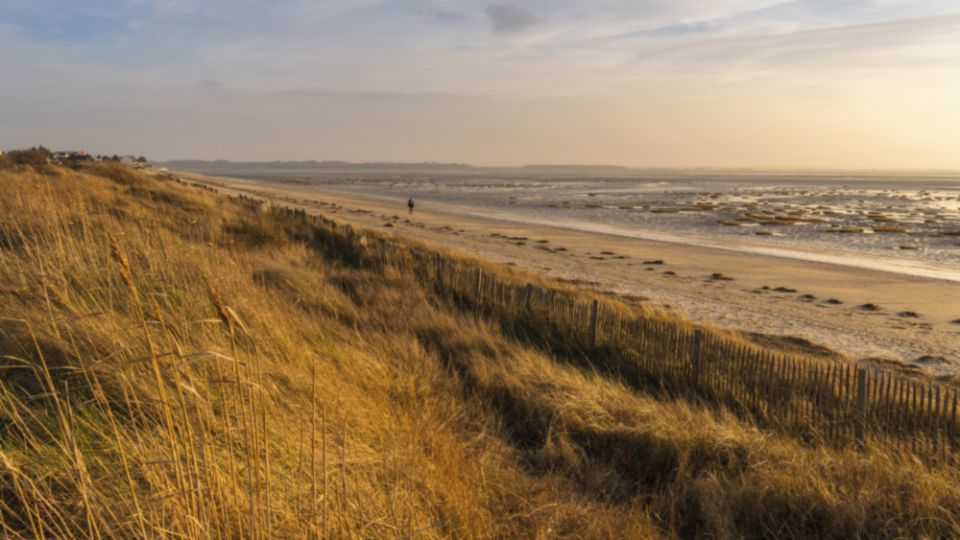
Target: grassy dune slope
175,364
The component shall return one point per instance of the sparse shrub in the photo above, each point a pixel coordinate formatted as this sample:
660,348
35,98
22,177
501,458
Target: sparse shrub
37,157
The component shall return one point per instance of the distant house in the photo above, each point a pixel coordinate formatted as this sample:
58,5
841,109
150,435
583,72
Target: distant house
137,162
73,155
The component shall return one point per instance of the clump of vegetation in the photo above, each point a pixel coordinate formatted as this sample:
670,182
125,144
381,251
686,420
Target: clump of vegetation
37,157
179,364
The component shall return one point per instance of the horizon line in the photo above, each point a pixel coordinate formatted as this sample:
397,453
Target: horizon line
741,168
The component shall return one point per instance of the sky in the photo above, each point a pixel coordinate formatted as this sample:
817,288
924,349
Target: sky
810,84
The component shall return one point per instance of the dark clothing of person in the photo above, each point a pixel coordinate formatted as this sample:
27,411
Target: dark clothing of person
410,205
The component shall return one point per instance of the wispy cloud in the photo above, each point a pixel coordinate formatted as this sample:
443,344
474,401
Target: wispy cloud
907,44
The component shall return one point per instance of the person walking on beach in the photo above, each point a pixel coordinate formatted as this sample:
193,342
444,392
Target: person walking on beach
410,204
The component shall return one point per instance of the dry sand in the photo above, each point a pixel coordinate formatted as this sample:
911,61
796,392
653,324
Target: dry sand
733,290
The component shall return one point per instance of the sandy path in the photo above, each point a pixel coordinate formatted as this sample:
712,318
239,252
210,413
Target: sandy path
683,280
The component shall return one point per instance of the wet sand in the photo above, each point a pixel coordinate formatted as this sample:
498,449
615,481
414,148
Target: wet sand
858,312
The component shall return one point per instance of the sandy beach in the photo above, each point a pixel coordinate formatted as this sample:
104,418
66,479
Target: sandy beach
858,312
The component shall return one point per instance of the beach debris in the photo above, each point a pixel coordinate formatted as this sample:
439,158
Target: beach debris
889,229
869,307
655,261
909,314
833,301
785,290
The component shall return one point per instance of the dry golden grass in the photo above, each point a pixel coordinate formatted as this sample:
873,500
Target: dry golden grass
179,365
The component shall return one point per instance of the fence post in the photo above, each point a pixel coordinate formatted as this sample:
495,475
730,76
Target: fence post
594,317
861,418
696,357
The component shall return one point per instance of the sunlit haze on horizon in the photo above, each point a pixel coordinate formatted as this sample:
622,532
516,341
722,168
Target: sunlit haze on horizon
725,83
